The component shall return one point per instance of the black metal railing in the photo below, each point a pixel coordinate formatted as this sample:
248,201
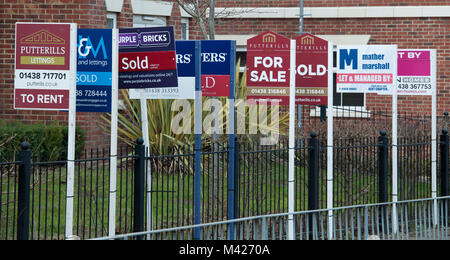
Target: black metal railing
362,175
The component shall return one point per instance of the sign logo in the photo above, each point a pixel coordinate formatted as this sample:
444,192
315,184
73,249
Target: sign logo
348,58
155,39
42,37
307,40
85,47
269,38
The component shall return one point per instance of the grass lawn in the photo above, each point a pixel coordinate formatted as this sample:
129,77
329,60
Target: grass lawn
262,189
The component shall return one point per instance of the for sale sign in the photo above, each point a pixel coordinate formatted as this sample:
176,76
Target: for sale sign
415,75
312,70
147,58
43,72
268,64
367,69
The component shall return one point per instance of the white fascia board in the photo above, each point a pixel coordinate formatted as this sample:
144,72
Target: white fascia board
333,12
408,11
380,11
352,12
436,11
347,39
183,13
114,6
148,7
249,12
323,12
241,39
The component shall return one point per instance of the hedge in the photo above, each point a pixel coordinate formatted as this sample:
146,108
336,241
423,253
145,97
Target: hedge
48,142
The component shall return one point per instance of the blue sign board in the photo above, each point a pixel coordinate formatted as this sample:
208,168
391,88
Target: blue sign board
94,70
216,57
185,58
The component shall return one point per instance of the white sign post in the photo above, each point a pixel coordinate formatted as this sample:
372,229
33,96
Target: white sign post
114,126
434,134
330,143
417,76
373,69
71,134
45,79
291,181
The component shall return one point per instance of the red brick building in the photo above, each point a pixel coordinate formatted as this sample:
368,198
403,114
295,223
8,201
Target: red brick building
407,23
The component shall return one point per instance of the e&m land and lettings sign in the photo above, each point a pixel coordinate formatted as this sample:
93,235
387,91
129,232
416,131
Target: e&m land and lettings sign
43,66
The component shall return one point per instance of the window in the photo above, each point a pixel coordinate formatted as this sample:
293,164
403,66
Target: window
345,99
111,21
149,21
184,29
345,104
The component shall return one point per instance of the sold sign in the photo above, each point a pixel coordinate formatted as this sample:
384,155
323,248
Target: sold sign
147,58
312,74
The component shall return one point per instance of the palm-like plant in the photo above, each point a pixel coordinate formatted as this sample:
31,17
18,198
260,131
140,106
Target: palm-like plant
160,116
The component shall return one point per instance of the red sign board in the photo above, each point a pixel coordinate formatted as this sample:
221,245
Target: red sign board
49,99
43,47
215,85
312,70
146,61
268,64
43,74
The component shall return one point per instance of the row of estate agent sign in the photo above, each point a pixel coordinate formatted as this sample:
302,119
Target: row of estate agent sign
156,66
58,67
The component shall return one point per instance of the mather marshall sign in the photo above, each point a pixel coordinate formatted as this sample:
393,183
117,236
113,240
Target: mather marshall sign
43,74
312,70
367,69
268,63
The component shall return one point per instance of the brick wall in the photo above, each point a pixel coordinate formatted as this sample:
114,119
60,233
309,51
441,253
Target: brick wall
327,3
407,33
87,14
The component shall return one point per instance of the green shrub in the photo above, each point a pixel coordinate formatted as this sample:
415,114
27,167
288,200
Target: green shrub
48,142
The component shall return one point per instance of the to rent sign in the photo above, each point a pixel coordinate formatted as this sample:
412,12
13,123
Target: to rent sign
43,72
